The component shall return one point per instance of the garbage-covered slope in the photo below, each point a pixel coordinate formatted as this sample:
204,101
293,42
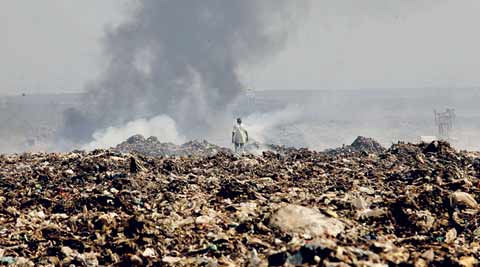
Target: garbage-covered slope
412,205
152,147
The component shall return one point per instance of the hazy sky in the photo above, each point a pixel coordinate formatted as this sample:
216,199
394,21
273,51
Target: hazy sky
54,45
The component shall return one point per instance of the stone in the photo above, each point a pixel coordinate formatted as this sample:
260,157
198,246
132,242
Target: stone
302,220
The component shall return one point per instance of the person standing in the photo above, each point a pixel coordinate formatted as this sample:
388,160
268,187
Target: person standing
239,136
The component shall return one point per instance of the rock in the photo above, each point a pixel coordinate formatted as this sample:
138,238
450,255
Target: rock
302,220
428,255
451,235
66,251
149,253
171,260
136,260
87,259
462,198
425,220
360,203
204,220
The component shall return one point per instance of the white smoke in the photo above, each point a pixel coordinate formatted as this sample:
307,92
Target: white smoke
161,126
264,127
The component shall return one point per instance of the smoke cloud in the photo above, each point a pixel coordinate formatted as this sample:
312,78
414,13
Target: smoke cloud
162,126
265,127
180,59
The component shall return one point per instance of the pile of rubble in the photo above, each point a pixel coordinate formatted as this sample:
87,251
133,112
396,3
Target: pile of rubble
361,144
411,205
154,148
367,144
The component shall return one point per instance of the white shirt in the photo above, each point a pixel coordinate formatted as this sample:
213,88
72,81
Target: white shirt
239,134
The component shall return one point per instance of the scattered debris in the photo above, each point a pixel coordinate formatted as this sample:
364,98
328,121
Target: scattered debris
409,205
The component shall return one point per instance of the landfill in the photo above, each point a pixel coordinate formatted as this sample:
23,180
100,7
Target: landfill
408,205
151,146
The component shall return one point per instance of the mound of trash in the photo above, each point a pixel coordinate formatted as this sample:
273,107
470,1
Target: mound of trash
367,144
411,205
154,148
361,144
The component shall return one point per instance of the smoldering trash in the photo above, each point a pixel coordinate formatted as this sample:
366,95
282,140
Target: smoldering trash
408,205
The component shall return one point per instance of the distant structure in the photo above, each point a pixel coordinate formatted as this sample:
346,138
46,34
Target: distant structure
444,121
250,94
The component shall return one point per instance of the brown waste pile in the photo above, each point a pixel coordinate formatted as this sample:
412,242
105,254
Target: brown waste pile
360,145
413,205
154,148
367,144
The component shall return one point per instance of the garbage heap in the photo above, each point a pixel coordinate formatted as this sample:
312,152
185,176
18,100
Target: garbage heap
411,205
360,145
154,148
367,144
